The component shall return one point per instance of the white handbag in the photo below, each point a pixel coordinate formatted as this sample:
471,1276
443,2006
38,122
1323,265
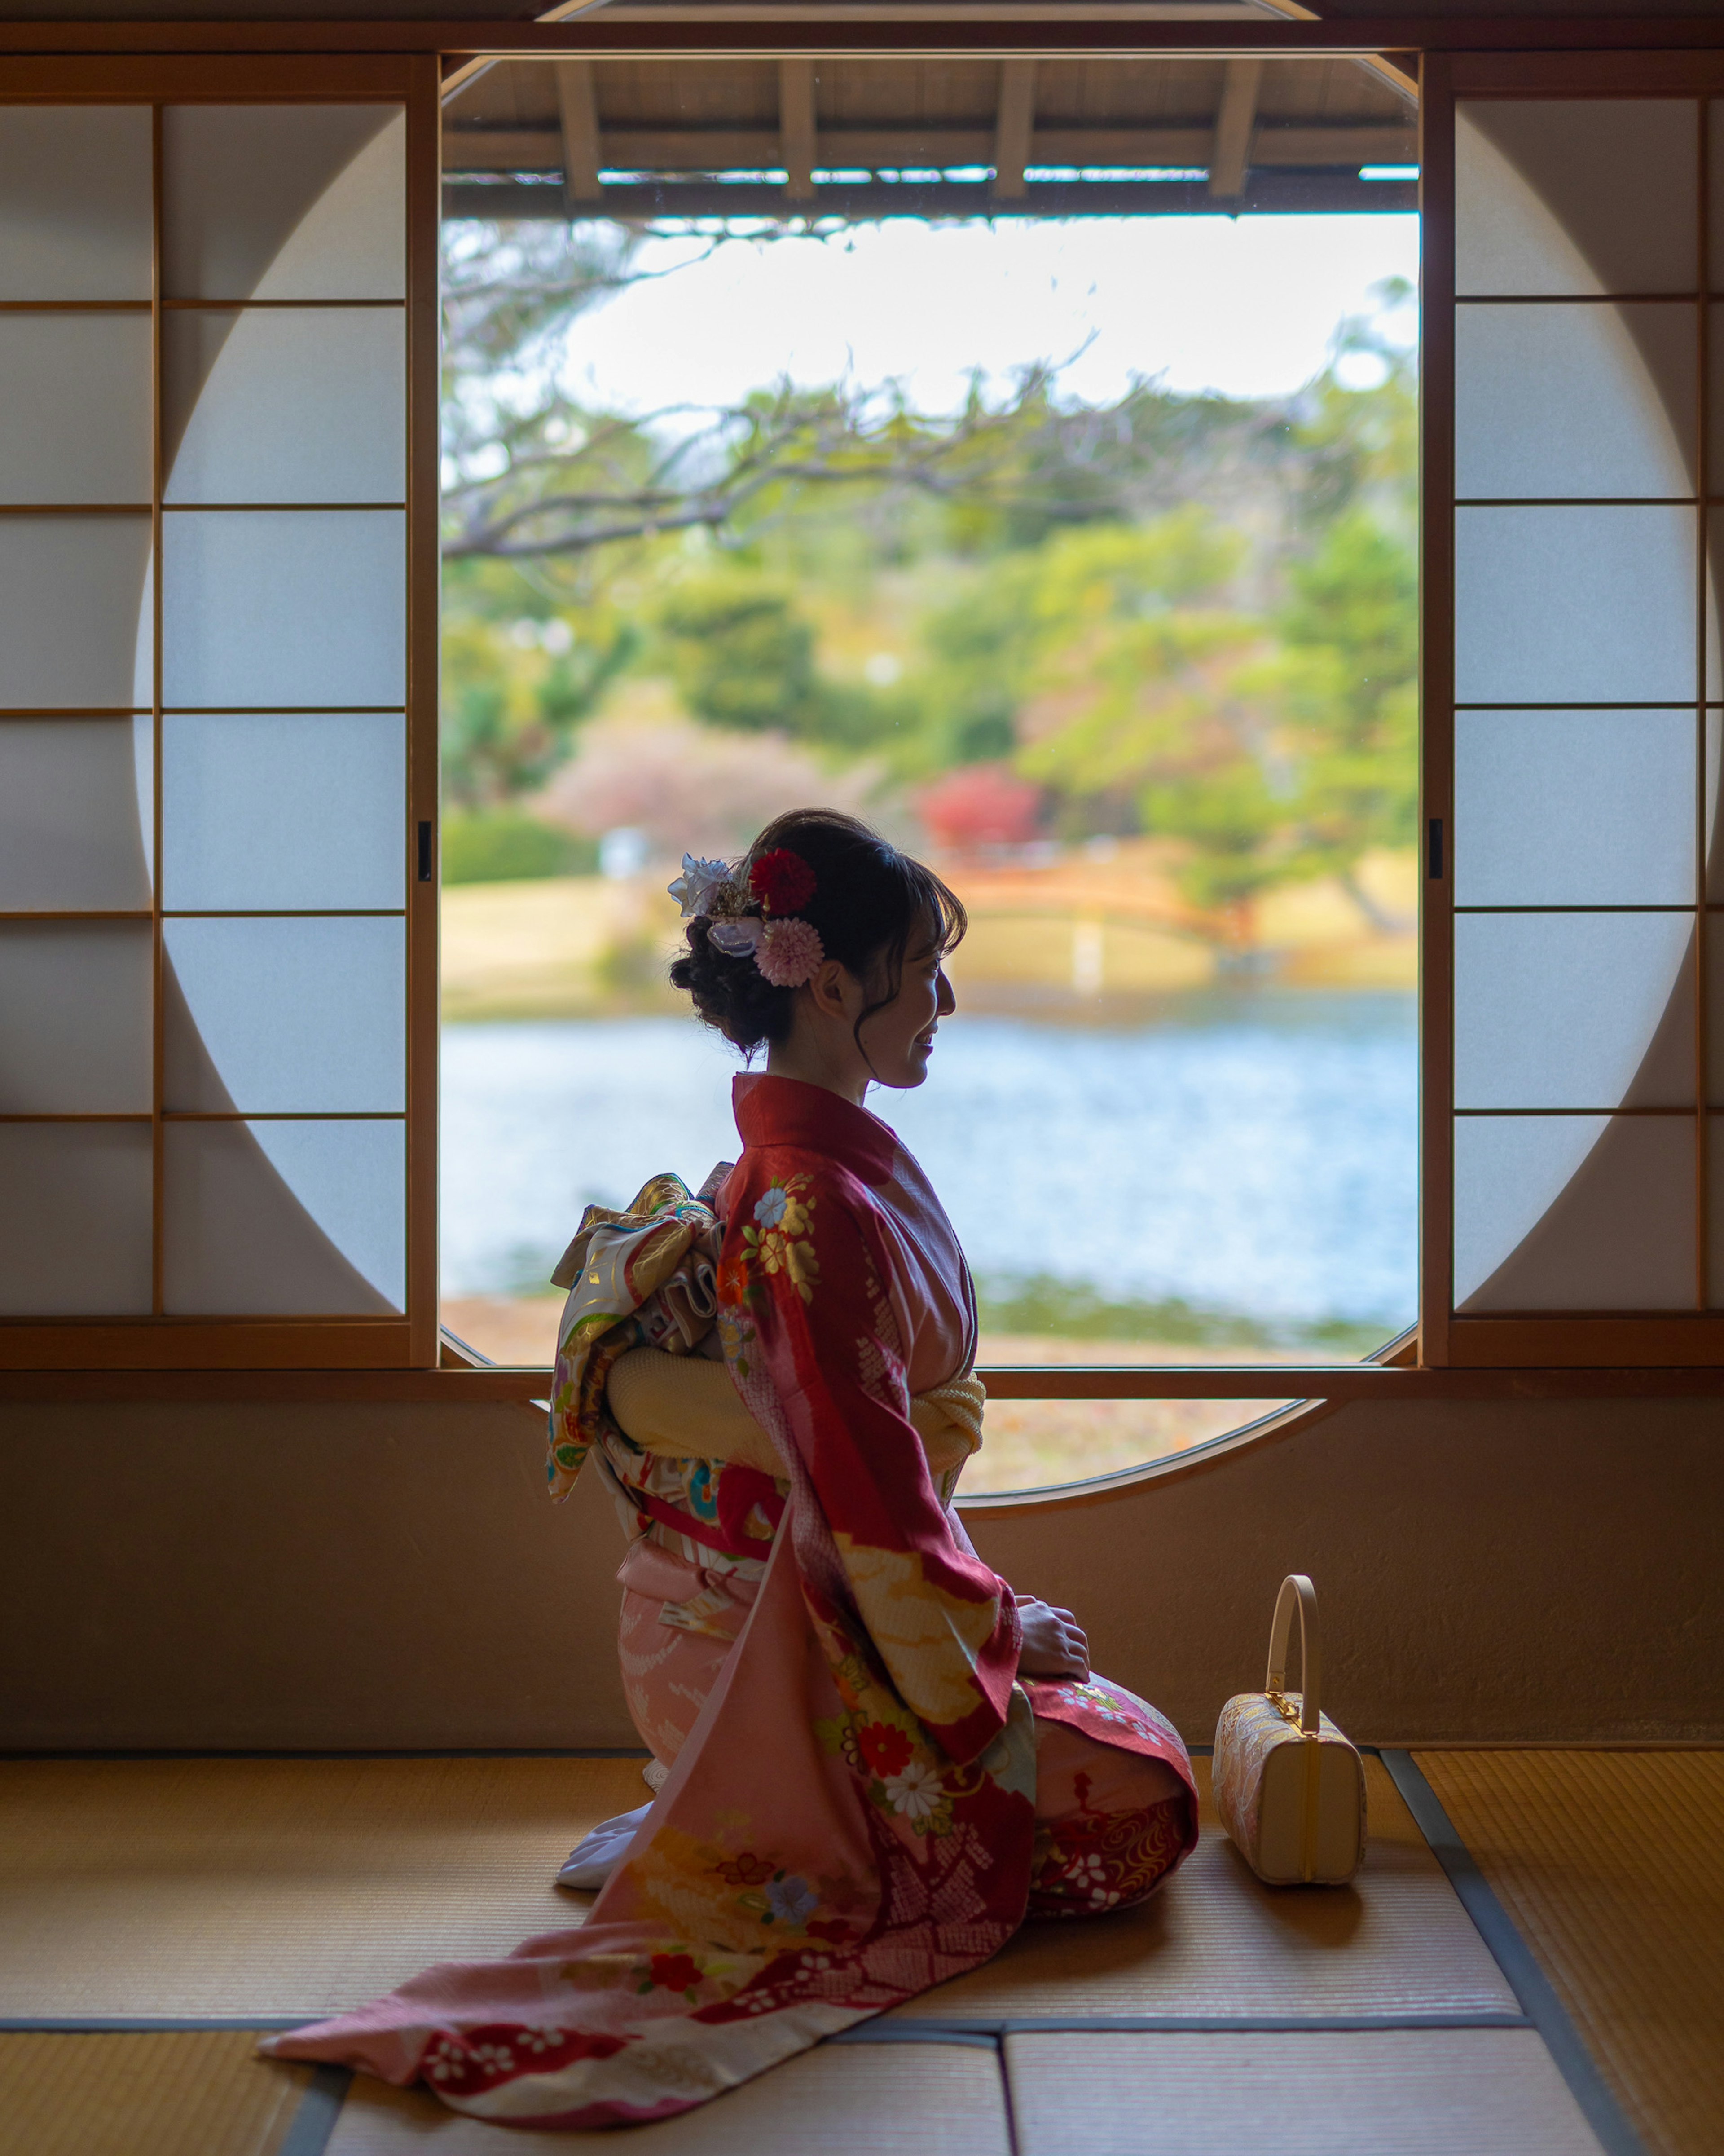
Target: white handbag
1290,1788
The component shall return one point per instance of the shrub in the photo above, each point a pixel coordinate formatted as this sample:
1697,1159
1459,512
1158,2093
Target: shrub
504,845
691,788
980,805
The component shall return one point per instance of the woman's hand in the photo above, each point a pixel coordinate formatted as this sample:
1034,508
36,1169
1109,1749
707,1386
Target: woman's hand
1054,1642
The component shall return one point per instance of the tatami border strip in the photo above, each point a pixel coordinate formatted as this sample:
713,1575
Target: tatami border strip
1514,1957
146,2025
426,1752
978,2028
968,2035
314,2120
1174,2025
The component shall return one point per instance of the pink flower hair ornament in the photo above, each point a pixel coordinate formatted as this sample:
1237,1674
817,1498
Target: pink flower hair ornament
787,953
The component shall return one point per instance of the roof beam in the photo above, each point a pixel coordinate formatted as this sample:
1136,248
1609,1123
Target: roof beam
577,104
1230,152
1047,32
648,149
1014,127
796,127
1306,193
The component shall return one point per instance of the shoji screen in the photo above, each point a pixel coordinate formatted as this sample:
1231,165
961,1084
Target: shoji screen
208,855
1575,1178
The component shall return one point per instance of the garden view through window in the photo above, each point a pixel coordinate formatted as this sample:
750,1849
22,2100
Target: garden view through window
1079,555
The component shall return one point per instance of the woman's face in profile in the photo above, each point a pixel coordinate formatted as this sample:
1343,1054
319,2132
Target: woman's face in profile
899,1037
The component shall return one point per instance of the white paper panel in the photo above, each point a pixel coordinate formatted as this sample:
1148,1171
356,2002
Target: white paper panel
283,202
70,830
284,1218
1588,606
1563,196
284,607
263,810
1574,808
74,1219
70,590
1574,401
286,405
1573,1213
75,419
352,1177
295,1016
1558,1010
77,1028
75,202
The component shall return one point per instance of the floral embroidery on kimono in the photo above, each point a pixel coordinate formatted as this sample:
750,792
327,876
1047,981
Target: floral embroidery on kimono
853,1818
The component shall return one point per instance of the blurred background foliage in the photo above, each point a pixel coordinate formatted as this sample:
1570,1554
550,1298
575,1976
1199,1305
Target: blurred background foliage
1189,618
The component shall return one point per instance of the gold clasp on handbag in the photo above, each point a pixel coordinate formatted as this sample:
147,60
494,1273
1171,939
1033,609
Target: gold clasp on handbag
1285,1707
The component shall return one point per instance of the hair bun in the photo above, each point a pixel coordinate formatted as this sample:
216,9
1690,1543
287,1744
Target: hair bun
730,992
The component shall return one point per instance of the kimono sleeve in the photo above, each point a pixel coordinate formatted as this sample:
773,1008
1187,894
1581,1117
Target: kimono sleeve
806,1280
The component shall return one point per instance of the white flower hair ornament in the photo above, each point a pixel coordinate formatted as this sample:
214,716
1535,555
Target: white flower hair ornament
700,885
786,950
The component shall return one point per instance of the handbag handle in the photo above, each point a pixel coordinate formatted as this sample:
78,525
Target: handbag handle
1297,1590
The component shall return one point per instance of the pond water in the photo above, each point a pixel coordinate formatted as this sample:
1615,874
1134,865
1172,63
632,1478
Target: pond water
1251,1155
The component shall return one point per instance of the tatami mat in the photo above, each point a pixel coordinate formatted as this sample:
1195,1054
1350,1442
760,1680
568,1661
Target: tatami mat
1612,1865
845,2100
278,1887
1214,1941
1423,2093
203,2094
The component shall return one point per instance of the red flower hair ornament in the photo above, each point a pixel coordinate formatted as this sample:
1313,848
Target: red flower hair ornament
788,952
782,880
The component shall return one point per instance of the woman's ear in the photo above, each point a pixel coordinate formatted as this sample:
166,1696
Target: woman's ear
833,990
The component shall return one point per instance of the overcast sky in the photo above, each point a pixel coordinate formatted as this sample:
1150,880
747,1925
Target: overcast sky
1246,306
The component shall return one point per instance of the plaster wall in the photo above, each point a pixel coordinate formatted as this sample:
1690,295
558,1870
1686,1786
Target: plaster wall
354,1578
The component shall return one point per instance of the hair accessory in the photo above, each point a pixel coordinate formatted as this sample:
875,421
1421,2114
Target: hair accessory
737,939
789,953
701,886
783,882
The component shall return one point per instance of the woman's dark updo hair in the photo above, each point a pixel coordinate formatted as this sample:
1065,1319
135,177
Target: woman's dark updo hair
870,899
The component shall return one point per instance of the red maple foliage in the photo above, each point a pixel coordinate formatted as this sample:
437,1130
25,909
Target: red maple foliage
981,804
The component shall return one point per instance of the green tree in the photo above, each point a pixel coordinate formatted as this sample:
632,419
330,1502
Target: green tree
1355,445
1350,639
992,648
514,690
741,655
1145,681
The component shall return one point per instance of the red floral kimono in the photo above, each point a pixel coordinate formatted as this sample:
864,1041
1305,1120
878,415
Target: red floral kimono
869,1800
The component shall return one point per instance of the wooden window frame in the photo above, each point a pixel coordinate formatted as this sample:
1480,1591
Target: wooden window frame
1583,1339
159,1341
391,1360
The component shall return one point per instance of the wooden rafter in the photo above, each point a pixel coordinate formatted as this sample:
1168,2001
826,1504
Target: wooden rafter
1230,152
578,103
796,127
1014,125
